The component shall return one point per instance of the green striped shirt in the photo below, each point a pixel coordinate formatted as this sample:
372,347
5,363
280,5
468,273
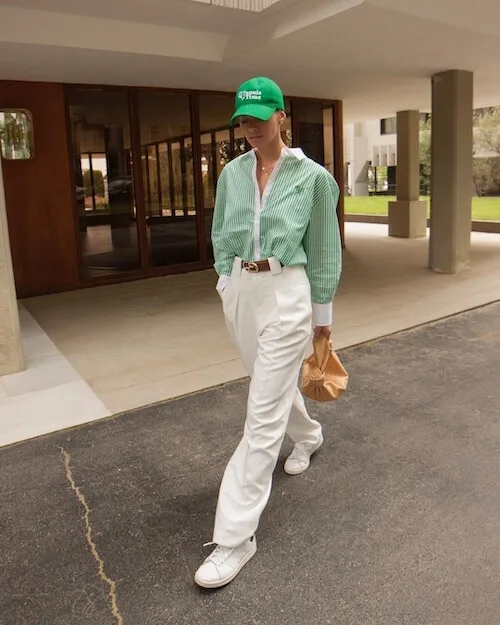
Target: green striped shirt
295,221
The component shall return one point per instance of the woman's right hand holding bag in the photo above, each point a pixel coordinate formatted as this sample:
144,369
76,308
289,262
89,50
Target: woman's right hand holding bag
323,375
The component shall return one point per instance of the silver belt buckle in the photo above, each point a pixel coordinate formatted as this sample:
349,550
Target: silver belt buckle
252,267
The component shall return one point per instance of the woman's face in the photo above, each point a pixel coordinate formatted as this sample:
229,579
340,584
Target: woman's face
259,133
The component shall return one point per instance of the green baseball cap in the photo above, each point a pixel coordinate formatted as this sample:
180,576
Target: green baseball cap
258,97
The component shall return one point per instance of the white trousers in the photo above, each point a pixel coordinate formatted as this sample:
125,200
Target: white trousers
268,315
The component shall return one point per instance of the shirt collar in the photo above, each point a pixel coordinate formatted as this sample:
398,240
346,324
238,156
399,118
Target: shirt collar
295,152
292,152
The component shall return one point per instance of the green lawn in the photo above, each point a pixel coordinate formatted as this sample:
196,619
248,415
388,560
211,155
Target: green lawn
483,208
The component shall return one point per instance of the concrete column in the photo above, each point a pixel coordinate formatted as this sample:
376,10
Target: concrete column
408,215
451,186
11,355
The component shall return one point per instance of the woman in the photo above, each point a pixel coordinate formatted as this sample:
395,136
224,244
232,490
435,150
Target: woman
278,254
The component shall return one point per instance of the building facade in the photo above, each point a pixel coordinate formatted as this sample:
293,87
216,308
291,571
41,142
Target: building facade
370,146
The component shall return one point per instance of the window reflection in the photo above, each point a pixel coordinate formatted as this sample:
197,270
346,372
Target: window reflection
308,116
16,134
328,139
100,132
220,143
286,128
314,120
168,177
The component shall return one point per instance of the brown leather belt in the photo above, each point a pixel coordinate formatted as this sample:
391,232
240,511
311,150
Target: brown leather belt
256,266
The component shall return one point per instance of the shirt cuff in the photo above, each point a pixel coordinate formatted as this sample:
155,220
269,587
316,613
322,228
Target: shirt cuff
322,314
222,282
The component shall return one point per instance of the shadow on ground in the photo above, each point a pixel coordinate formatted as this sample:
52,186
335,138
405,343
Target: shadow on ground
396,522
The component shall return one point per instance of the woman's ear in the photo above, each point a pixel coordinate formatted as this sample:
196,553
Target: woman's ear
281,116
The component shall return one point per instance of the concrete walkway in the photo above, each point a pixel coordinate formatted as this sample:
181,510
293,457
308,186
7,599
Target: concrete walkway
101,351
396,522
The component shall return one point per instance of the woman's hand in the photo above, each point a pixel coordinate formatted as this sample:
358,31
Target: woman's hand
320,331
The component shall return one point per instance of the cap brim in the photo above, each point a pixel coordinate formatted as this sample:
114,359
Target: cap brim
252,109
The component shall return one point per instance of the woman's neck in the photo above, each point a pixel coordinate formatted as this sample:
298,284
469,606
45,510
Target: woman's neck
271,152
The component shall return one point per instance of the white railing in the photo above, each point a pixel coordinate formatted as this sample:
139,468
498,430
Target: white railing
242,5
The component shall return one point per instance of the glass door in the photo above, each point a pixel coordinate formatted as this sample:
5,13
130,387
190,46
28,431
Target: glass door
219,144
105,191
166,146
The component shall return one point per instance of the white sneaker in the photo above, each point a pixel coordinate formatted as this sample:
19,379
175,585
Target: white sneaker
224,564
300,459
